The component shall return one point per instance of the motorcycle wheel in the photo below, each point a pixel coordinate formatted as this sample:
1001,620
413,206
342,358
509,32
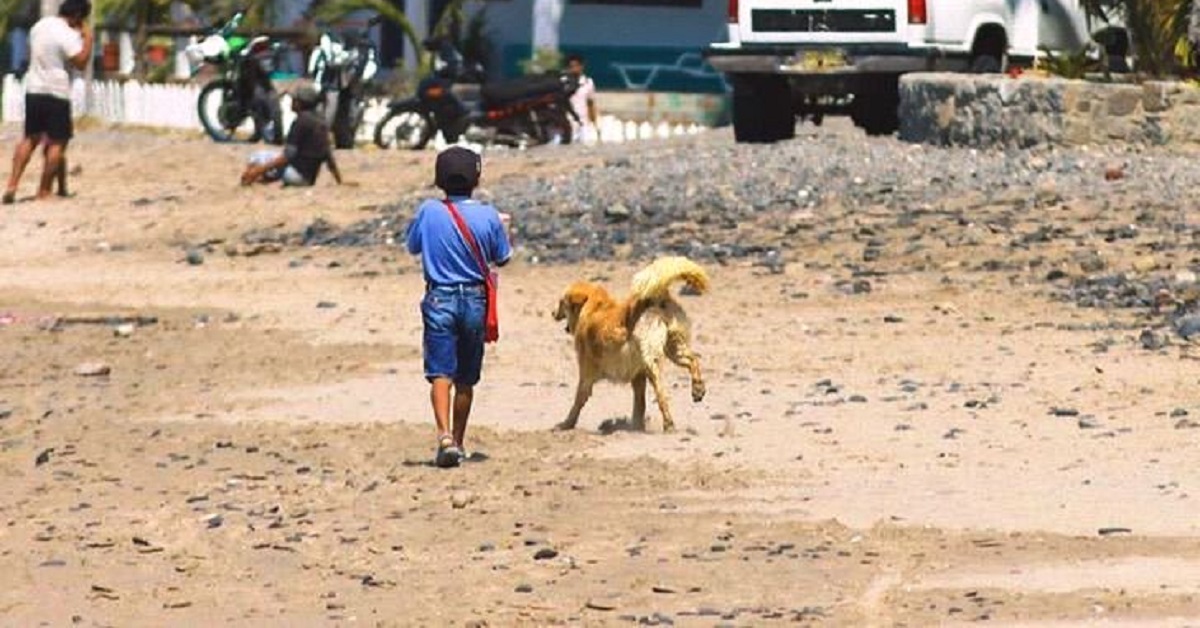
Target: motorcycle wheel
405,128
345,123
224,119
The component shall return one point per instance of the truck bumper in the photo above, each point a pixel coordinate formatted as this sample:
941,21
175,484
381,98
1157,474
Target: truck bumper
856,59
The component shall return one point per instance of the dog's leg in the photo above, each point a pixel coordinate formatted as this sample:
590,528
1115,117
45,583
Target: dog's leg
638,420
660,396
680,353
583,391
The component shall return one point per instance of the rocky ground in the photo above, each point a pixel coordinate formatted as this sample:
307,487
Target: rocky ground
946,386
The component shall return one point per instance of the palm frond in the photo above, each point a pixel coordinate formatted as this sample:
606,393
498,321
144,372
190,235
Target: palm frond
7,9
452,18
258,13
1155,27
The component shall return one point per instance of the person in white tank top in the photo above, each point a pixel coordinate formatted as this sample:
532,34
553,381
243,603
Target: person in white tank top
583,102
58,44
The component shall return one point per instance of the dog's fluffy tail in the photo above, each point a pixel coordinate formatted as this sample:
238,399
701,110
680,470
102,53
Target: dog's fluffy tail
653,283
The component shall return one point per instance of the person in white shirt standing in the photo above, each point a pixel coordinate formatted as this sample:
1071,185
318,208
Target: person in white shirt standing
57,44
583,102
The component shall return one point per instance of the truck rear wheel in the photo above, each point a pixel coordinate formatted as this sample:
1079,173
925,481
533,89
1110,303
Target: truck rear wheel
762,109
876,111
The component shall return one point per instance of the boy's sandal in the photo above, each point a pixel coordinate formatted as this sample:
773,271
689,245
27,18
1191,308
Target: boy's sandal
447,454
9,198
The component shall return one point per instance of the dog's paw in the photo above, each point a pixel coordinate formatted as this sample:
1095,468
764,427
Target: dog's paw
669,428
565,426
698,391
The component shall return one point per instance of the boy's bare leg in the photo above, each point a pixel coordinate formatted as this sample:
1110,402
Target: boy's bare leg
54,157
463,397
62,175
21,157
439,396
448,454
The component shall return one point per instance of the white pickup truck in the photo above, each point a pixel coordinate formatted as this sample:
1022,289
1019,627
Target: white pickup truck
789,58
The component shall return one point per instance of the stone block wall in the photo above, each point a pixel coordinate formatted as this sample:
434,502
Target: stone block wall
992,110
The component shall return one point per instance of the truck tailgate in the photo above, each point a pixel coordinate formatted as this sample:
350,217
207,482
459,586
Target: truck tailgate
823,21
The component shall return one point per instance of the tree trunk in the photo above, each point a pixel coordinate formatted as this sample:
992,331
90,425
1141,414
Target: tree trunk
140,39
1194,23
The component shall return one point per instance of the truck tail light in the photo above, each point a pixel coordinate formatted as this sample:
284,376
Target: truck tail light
733,12
917,13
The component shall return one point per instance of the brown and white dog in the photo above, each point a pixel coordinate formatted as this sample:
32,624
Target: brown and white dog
626,341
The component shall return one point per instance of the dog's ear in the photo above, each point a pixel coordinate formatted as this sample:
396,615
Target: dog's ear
573,300
571,304
577,298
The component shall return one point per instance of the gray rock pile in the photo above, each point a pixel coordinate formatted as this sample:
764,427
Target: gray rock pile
1060,214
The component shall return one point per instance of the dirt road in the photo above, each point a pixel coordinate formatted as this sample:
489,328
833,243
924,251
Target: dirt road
952,446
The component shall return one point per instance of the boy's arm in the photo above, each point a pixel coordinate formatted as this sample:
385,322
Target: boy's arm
80,59
413,235
591,102
501,252
593,114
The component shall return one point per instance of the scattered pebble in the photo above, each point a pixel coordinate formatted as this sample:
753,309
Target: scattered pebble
93,369
461,499
601,604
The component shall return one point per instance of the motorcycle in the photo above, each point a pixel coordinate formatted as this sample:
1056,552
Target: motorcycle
242,104
343,67
518,112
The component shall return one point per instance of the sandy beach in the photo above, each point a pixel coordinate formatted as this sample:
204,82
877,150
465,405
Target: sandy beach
253,446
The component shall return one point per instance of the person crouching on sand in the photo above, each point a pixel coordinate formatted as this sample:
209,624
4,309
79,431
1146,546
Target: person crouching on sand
306,150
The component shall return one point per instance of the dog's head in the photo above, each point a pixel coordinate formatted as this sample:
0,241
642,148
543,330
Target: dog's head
571,304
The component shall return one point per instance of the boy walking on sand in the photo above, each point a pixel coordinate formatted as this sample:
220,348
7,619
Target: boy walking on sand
455,305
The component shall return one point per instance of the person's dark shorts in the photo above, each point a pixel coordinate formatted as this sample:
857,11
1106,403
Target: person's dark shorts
453,340
49,116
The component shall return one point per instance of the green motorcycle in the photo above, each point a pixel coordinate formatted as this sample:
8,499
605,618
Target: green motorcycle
242,104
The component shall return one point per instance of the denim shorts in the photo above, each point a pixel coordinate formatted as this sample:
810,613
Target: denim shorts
453,340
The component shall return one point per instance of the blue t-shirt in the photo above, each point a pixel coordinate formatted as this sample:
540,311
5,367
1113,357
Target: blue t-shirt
445,255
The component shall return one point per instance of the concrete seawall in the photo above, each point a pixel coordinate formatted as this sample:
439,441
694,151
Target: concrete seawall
975,110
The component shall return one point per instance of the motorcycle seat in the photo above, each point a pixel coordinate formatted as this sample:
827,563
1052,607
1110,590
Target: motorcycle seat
513,90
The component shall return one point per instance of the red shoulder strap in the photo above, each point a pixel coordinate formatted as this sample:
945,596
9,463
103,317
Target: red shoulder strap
469,237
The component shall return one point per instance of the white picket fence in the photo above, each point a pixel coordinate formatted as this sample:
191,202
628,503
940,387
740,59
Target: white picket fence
174,107
164,106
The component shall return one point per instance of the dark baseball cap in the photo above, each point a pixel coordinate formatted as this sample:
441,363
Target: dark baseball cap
457,170
78,9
